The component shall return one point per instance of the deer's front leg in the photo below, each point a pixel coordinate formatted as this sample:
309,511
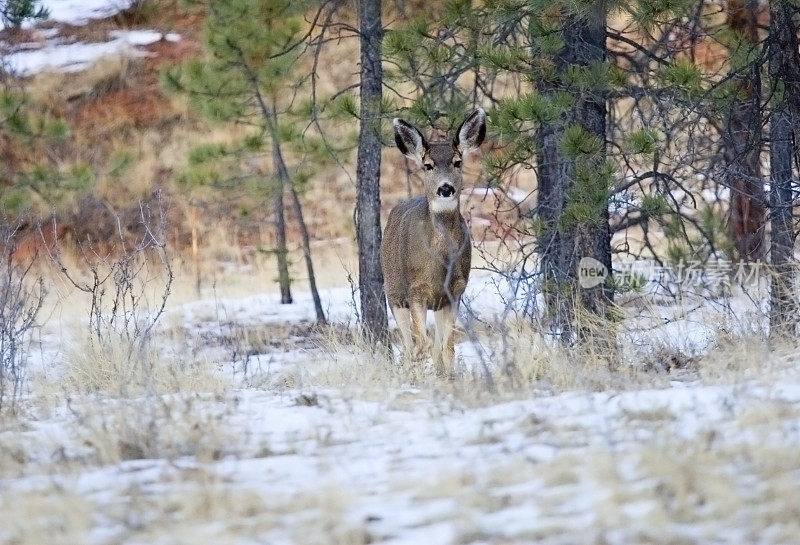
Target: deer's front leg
420,334
403,318
444,343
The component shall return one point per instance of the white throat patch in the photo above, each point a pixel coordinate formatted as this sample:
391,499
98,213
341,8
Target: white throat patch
444,204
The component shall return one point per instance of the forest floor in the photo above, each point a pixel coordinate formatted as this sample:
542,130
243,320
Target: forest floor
247,424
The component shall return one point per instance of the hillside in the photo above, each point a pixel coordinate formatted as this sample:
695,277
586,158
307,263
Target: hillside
96,69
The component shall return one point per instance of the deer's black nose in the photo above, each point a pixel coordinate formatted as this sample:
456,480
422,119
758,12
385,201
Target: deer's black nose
446,190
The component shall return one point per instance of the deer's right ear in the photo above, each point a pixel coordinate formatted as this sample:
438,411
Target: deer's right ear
409,140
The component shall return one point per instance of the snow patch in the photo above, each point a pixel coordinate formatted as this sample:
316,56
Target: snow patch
78,56
518,195
80,12
137,37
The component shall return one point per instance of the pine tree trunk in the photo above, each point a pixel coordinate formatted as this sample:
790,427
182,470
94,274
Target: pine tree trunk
559,281
588,46
742,141
281,251
562,246
312,279
368,198
784,65
282,175
286,181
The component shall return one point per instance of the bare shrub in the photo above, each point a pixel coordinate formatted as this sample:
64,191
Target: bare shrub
21,296
127,286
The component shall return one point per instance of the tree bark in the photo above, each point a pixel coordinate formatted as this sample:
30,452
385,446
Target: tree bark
368,198
784,67
282,175
286,181
742,141
281,252
562,245
312,279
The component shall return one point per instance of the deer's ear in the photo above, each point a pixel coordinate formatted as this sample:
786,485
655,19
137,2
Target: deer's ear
471,133
409,140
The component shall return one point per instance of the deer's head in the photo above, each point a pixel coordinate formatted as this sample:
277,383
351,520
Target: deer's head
441,161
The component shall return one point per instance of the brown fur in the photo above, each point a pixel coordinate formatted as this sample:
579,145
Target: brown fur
426,251
426,257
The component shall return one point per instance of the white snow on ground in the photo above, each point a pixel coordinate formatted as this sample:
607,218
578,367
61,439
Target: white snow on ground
276,459
78,56
56,53
633,467
281,458
80,12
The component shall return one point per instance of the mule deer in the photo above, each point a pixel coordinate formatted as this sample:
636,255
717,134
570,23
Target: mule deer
426,248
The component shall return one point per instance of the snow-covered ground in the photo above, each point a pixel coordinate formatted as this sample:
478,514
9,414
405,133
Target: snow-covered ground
688,464
313,441
52,51
74,57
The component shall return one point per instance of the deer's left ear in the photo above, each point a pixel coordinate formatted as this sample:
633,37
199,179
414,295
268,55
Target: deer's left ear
471,133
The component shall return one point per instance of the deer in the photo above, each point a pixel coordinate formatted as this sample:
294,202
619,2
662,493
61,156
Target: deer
426,250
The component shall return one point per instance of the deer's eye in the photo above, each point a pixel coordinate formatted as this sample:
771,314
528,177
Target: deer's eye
428,166
457,163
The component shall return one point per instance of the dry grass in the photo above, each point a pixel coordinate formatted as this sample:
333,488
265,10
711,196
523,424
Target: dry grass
50,515
135,430
665,491
516,360
196,507
171,456
117,369
676,492
99,431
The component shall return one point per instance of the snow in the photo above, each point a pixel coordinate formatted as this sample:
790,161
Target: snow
57,53
78,56
436,470
519,195
137,37
80,12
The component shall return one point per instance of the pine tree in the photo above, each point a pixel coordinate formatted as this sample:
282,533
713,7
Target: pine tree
784,74
368,175
574,178
742,135
15,12
36,182
252,55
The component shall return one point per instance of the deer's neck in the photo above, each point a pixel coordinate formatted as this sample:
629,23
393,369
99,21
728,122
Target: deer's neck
447,222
